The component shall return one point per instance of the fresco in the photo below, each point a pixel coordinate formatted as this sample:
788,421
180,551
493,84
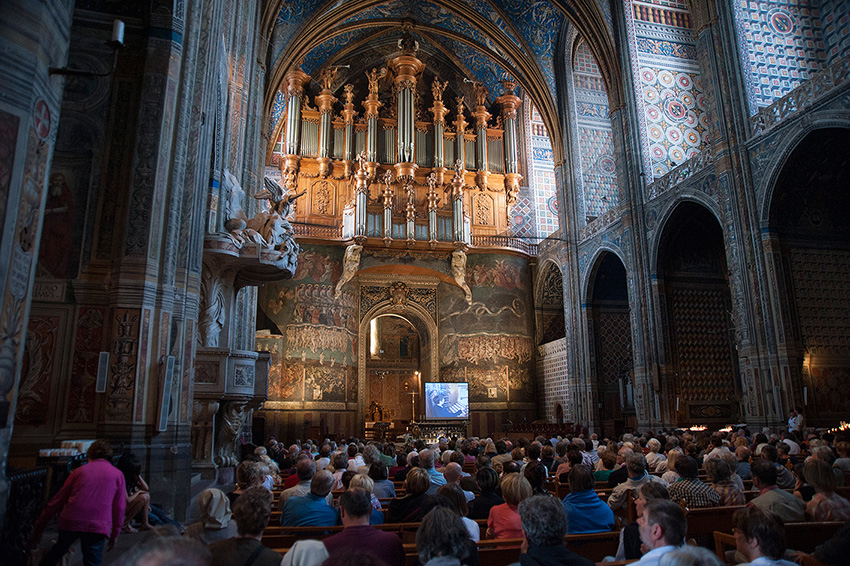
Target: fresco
311,336
496,361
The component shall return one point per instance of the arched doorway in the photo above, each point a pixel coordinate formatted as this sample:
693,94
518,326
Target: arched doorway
699,383
393,375
808,245
402,321
610,331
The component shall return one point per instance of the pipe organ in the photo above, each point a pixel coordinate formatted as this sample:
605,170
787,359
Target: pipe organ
417,169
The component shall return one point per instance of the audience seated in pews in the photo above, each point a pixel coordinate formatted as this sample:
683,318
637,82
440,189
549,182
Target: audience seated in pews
771,498
662,525
630,542
719,475
689,556
488,480
442,540
358,535
759,537
621,472
251,513
426,462
784,477
365,482
544,525
504,521
586,513
311,509
384,488
408,509
454,495
690,488
305,469
637,476
215,523
825,505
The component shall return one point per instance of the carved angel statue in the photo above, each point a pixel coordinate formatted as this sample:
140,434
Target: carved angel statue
433,199
481,94
459,273
374,76
458,169
460,105
387,192
362,161
348,94
327,78
437,89
350,265
281,200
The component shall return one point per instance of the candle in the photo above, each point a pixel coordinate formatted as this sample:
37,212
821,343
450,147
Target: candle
118,32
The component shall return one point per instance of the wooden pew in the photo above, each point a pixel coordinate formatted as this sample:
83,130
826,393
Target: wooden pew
594,546
798,536
706,520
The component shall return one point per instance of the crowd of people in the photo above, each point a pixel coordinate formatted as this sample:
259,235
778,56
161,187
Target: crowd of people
448,486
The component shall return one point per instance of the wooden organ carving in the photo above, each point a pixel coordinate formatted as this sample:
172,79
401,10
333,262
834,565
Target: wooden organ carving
432,172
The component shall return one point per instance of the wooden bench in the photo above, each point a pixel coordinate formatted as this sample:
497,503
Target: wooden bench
706,520
798,536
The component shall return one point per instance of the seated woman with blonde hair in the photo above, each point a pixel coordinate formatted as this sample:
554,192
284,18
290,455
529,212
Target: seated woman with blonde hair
504,521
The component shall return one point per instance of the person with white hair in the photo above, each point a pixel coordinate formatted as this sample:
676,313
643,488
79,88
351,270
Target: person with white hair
654,456
215,523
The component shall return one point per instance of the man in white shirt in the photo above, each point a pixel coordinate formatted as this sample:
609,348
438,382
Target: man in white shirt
797,421
662,526
759,537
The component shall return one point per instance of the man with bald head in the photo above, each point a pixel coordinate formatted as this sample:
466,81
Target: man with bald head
426,462
311,509
305,469
453,474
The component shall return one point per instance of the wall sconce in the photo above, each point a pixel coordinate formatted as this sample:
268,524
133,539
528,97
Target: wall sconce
115,43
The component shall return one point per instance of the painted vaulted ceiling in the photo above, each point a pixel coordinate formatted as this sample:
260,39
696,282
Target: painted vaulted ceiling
484,41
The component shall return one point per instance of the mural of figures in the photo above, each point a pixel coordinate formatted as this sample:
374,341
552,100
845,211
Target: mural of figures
497,363
311,335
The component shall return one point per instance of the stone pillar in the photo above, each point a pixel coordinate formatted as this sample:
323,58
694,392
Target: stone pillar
33,37
510,103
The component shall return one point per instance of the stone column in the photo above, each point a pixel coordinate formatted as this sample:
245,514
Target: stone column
33,37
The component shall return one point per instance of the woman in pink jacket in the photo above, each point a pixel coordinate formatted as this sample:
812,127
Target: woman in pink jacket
90,506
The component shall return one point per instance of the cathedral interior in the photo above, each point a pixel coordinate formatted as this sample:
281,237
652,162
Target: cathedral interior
230,221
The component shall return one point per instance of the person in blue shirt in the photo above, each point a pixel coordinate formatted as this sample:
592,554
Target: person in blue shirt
586,512
311,509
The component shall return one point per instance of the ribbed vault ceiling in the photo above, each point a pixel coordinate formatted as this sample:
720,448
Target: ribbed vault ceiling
485,41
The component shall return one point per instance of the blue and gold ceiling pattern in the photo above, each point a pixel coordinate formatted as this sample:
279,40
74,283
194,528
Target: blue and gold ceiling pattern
485,41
